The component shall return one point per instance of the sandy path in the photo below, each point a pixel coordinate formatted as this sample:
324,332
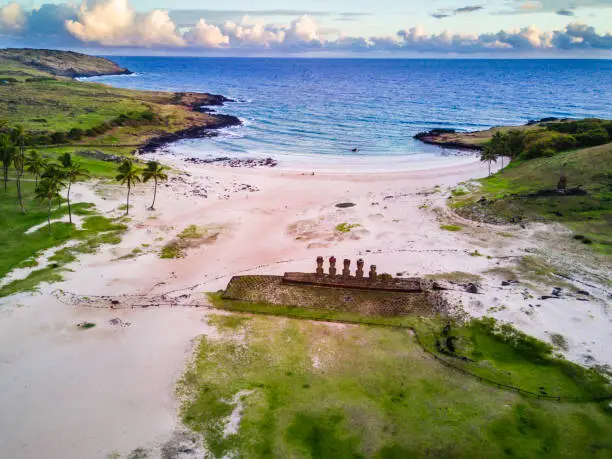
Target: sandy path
86,393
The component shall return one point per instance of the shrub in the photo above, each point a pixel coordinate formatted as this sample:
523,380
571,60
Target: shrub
58,138
75,133
593,137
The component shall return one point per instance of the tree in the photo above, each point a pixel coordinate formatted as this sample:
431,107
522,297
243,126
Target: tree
18,162
7,151
499,148
73,170
488,154
157,172
49,188
35,164
515,140
130,175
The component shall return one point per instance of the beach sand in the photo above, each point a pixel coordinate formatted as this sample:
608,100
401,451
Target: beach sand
78,393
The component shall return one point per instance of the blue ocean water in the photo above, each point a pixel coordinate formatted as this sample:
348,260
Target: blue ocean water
330,106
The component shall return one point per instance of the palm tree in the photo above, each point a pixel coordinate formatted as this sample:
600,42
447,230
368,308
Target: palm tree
35,164
7,151
48,189
18,162
130,175
157,172
488,154
73,170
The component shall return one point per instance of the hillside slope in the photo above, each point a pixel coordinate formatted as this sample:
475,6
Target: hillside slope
62,63
527,190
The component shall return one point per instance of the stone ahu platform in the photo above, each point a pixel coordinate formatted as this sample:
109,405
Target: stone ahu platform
381,295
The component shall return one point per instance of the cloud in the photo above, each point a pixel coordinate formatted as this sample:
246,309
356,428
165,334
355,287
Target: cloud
565,12
107,24
189,18
116,23
553,6
469,9
441,14
12,18
206,35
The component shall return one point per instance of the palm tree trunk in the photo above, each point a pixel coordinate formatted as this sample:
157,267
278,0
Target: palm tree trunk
36,186
154,193
68,199
5,175
489,168
19,172
49,215
127,209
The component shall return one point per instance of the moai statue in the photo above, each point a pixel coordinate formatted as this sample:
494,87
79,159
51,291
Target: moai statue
562,184
346,272
332,267
320,270
373,276
359,272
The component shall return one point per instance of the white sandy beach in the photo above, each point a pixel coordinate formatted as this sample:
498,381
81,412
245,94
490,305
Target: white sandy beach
71,393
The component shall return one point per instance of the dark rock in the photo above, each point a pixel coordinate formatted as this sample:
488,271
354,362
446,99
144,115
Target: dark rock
471,288
345,205
226,161
548,297
583,292
557,291
114,301
197,132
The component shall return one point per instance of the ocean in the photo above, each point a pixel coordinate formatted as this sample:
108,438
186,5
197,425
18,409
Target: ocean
324,108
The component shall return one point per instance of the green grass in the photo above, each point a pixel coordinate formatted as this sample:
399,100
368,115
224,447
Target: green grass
451,227
503,357
589,216
346,227
20,249
313,390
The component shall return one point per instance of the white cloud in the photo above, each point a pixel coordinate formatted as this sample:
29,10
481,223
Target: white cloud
206,36
12,18
249,33
116,23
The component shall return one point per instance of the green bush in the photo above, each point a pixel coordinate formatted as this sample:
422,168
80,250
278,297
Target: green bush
593,137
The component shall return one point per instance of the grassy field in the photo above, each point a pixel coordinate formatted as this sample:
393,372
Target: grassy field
498,353
19,249
506,194
309,389
97,124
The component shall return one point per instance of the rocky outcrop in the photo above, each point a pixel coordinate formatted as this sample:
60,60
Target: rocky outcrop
195,132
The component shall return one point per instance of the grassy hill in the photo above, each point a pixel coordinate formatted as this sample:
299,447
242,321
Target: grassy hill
59,63
521,193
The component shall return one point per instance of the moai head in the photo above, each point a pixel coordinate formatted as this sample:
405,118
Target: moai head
359,273
346,272
332,266
373,274
319,266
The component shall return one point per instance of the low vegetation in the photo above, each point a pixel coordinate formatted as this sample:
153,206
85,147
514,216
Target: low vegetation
451,227
192,236
346,227
572,187
297,391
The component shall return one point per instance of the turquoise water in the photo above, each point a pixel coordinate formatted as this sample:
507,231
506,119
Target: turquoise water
330,106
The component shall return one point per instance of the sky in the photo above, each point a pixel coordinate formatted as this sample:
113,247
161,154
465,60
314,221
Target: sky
386,28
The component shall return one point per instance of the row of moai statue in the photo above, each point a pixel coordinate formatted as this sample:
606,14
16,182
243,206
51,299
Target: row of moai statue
346,271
